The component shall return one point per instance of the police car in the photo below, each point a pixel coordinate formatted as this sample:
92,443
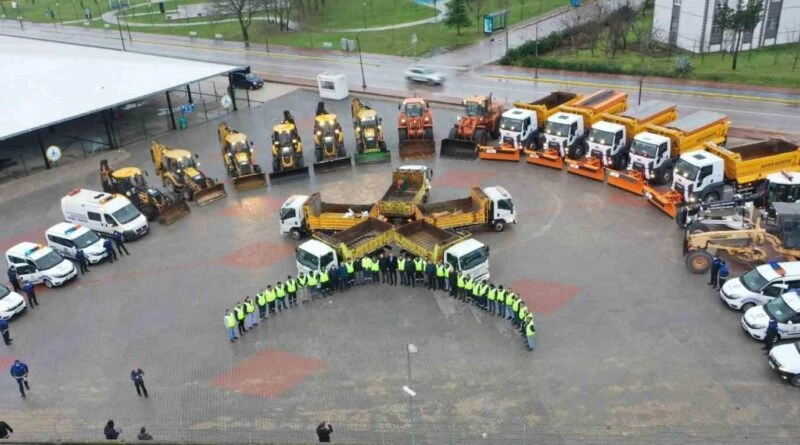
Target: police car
11,303
67,239
38,263
785,360
760,285
785,309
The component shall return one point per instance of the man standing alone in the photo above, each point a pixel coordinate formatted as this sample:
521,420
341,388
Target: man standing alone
19,371
137,375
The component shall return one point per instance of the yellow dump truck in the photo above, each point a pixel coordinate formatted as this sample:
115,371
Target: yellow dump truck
465,254
301,215
364,238
410,186
544,108
489,207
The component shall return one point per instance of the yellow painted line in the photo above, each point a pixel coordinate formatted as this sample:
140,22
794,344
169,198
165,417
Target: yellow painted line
651,89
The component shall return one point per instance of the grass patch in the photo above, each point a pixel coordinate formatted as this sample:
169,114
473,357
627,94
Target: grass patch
59,11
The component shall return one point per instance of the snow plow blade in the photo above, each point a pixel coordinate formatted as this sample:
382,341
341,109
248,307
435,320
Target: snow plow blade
294,173
173,212
373,157
501,153
547,158
632,181
333,164
210,194
667,202
416,149
458,149
250,182
591,169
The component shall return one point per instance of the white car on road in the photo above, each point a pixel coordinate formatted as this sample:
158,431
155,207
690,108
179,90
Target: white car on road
785,309
426,75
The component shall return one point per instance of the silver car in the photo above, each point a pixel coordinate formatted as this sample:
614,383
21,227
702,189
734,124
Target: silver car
426,75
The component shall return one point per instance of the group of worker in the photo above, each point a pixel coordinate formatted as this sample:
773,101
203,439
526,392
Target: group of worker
382,268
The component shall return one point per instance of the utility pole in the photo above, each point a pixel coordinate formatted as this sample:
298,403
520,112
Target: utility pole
507,25
121,38
361,62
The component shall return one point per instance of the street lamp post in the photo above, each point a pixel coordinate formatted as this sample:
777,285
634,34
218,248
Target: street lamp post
411,349
121,38
361,63
411,394
364,10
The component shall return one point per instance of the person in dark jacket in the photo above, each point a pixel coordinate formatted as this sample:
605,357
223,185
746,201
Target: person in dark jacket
110,432
19,371
383,265
715,263
324,431
391,267
5,430
410,271
430,273
144,435
108,244
83,263
4,330
343,278
119,240
772,333
722,274
333,274
30,292
13,278
137,375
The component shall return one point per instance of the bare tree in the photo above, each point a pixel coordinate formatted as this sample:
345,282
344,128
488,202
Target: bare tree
243,11
569,22
593,31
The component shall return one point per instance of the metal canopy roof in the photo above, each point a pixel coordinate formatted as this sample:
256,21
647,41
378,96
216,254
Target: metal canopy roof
45,83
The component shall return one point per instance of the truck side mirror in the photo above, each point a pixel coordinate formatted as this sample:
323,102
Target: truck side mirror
252,143
196,156
399,106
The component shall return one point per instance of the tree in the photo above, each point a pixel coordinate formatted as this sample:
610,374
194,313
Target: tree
242,10
521,10
457,16
738,21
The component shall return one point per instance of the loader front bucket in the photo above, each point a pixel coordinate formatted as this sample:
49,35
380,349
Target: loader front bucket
666,202
173,212
547,158
416,149
373,157
631,181
294,173
210,194
592,169
332,164
458,149
501,153
250,182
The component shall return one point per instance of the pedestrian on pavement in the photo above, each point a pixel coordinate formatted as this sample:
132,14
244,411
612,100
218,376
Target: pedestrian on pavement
5,430
280,296
342,282
530,332
4,330
419,271
261,302
501,301
333,273
271,295
324,431
440,274
313,286
391,265
715,263
238,310
359,268
491,298
452,278
302,287
383,266
14,278
83,263
325,282
250,313
376,270
108,244
30,292
137,375
19,371
772,334
230,325
350,268
723,274
110,432
410,271
119,240
144,435
430,275
291,290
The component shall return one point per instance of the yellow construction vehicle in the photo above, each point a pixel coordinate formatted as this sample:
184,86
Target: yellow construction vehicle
131,182
181,174
237,154
287,149
329,152
370,147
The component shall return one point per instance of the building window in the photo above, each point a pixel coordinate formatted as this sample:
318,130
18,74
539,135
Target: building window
773,19
747,37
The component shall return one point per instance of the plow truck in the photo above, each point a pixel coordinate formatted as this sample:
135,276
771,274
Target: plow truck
480,121
329,151
704,175
410,187
287,150
415,130
151,202
240,162
490,207
566,131
370,146
654,152
302,215
610,139
545,107
180,174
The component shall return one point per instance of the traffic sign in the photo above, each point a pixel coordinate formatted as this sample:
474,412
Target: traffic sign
187,108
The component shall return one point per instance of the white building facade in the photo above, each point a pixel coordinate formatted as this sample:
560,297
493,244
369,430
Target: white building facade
689,25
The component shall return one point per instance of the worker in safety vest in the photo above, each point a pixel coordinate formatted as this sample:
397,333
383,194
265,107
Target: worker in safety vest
440,274
291,291
419,270
261,302
491,298
450,279
501,301
366,274
280,293
238,311
351,273
250,311
469,284
512,315
324,283
272,296
230,325
376,270
461,284
530,332
401,268
302,285
523,311
313,286
483,301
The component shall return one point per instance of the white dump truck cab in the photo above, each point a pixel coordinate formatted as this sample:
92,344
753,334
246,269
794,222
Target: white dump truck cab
562,131
699,176
518,128
426,171
608,143
650,154
470,256
314,255
503,210
292,217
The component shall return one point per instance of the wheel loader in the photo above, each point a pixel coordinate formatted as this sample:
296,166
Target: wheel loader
370,146
287,150
415,130
180,174
237,154
154,204
479,122
329,152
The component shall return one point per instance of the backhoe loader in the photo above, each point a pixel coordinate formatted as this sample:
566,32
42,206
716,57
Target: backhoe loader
181,174
131,182
237,154
287,150
370,146
480,121
415,130
329,152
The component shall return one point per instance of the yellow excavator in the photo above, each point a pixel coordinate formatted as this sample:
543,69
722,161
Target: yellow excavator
329,152
237,154
181,174
131,182
287,149
370,146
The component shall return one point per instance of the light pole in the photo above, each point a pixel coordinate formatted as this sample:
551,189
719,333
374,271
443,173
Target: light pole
411,394
364,10
361,62
411,349
121,38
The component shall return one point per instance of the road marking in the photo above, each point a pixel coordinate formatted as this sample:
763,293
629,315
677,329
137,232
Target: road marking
650,89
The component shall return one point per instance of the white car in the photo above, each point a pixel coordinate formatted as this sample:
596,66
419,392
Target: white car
40,264
760,285
426,75
67,239
785,360
785,309
11,303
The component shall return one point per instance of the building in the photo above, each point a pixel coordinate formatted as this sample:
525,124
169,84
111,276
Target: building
689,25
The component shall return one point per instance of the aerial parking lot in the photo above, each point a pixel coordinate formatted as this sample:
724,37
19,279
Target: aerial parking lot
630,346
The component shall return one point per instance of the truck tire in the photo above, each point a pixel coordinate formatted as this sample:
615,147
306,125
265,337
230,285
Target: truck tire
480,137
453,133
711,197
318,154
428,134
666,176
296,234
698,261
499,225
402,134
276,166
620,162
795,381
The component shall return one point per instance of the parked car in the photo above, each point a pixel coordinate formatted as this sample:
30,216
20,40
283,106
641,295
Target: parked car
426,75
785,360
11,303
785,309
760,285
246,80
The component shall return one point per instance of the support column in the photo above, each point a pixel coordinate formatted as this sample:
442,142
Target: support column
112,143
232,92
43,149
171,113
189,93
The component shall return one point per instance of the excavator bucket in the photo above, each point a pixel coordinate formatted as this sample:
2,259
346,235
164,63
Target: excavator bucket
631,181
458,149
325,166
373,157
416,149
252,181
294,173
173,212
592,168
501,153
666,202
547,158
210,194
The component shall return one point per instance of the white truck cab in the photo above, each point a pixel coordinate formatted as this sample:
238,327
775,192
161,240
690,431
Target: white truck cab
785,309
40,264
67,239
608,143
292,216
562,132
785,360
503,210
104,213
651,154
518,128
699,176
427,172
11,303
314,255
760,285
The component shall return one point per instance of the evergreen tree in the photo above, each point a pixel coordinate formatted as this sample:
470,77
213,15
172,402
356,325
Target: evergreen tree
457,16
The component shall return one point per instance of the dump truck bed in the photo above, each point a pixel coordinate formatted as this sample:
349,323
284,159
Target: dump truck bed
691,132
654,112
328,216
751,162
457,213
361,239
544,107
426,240
696,122
593,107
401,200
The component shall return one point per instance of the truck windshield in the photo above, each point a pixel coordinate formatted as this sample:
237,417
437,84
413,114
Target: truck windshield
49,261
779,310
753,281
413,110
474,259
284,138
238,147
601,137
473,109
307,259
506,204
186,163
644,149
556,128
368,122
511,124
126,214
686,169
86,240
286,213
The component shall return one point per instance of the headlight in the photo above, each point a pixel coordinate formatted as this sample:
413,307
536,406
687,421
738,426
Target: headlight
783,368
402,121
319,132
178,171
286,150
358,129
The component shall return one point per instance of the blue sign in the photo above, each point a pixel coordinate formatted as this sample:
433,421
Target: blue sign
187,108
488,24
575,3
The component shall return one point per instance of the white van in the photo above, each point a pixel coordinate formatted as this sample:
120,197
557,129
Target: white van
760,285
785,309
40,264
104,213
67,239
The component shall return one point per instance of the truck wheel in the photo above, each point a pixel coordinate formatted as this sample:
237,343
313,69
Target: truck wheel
711,197
257,168
276,166
480,137
296,234
697,227
318,155
698,261
795,381
747,306
402,134
453,133
499,225
666,176
428,135
621,161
